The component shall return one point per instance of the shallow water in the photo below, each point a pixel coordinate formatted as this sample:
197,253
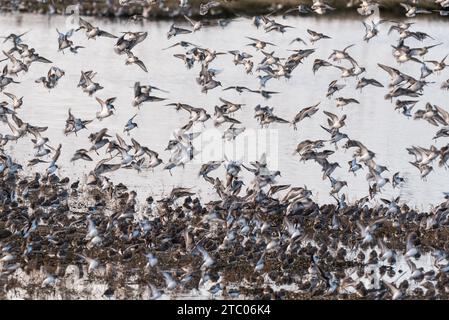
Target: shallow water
72,286
374,122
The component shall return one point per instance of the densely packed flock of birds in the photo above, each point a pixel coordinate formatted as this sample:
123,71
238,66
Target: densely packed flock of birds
266,240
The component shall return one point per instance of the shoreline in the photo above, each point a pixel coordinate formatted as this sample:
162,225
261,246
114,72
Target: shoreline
253,238
172,10
82,240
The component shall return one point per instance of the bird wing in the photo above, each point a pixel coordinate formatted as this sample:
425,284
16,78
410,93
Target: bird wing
10,95
137,90
110,100
121,142
391,71
57,153
189,20
312,33
332,116
106,34
141,65
409,243
103,105
406,6
85,24
367,27
17,120
10,57
444,114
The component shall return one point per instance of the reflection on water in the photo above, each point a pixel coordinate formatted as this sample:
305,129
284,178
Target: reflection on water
374,122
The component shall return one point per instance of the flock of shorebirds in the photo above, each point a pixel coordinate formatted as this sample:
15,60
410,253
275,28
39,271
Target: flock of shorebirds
172,8
267,240
410,8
